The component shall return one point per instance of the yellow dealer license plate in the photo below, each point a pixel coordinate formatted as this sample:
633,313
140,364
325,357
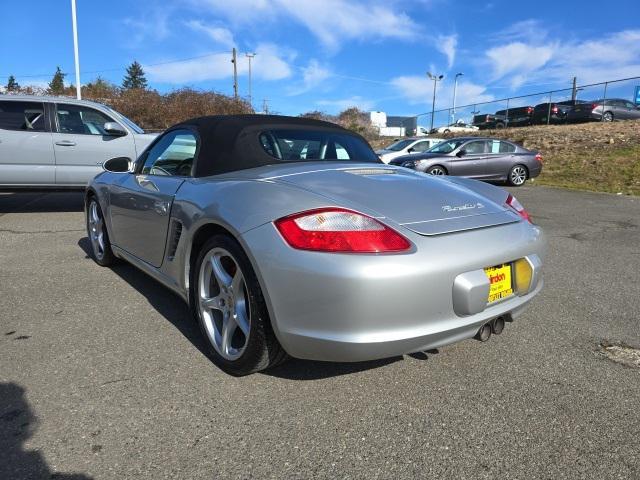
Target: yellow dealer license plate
500,285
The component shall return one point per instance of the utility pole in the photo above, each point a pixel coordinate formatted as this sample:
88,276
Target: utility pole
75,48
455,87
234,60
250,57
574,90
265,106
436,79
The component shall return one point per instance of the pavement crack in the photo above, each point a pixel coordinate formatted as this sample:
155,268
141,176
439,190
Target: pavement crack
22,232
117,380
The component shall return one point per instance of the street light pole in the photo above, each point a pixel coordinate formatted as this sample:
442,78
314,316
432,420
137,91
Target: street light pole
250,57
436,79
75,48
455,87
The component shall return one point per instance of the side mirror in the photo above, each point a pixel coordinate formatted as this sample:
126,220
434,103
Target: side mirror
118,165
411,150
114,129
461,153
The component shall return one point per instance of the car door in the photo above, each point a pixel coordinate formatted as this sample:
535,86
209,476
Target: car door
81,145
470,160
26,148
500,158
421,146
141,201
632,111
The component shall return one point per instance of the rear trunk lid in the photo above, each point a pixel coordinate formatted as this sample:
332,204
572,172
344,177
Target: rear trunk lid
424,204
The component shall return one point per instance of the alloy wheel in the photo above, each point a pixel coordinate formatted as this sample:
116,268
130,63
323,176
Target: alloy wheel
437,171
518,175
96,230
223,303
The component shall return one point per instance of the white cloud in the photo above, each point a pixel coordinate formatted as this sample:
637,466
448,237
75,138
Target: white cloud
219,35
519,58
331,21
314,76
266,65
419,90
447,45
339,105
546,62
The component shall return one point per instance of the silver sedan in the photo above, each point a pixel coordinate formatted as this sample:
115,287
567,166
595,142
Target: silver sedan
478,158
289,237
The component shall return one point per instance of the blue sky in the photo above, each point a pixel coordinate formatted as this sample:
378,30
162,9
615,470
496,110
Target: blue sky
331,54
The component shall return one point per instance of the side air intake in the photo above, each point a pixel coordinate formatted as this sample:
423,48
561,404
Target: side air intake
176,232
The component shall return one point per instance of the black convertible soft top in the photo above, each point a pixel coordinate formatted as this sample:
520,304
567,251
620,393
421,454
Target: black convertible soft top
230,142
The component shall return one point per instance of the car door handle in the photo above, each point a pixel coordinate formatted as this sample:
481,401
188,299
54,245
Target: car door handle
66,143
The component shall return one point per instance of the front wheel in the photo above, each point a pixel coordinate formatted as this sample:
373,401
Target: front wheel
227,302
436,170
518,175
98,236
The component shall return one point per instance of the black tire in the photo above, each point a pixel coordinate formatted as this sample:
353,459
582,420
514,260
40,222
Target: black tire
262,348
608,117
515,177
446,131
103,255
436,169
500,125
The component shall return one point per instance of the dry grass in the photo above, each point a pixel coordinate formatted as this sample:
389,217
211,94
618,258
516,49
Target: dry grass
602,157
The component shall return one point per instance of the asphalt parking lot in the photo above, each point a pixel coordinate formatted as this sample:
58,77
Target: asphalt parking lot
101,373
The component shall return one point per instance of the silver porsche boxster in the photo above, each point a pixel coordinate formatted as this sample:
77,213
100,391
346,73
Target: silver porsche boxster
289,237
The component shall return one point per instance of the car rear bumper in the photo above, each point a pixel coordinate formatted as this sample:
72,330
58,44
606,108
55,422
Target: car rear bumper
340,307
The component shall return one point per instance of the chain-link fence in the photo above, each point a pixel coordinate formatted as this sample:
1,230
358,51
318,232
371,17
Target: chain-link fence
536,108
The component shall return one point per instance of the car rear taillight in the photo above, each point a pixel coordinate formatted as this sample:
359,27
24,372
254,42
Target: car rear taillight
539,157
555,109
517,206
529,110
339,230
594,106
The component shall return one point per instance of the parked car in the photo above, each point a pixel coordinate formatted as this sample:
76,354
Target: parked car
489,121
479,158
406,146
457,127
517,116
607,110
61,142
557,112
288,236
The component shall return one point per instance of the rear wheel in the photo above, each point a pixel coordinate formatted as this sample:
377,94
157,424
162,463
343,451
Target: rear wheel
518,175
97,233
436,170
228,304
607,117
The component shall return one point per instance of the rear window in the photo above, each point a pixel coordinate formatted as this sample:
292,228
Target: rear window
27,116
313,145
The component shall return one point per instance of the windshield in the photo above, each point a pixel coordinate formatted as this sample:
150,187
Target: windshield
313,145
129,123
446,147
399,145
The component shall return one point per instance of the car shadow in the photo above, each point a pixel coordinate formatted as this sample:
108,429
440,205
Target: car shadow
175,311
163,300
28,201
17,425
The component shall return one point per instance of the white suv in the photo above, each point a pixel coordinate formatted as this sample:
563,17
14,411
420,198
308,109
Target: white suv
61,142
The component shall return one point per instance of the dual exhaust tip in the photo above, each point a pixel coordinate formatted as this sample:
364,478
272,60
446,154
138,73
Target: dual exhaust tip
495,326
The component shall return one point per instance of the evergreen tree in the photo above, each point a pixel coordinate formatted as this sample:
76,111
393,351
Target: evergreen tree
56,85
12,85
135,77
